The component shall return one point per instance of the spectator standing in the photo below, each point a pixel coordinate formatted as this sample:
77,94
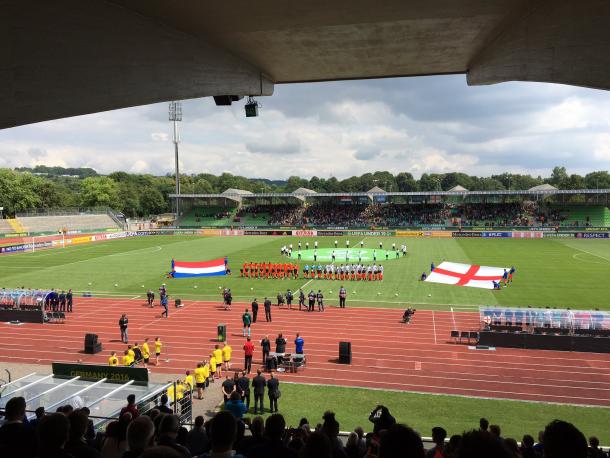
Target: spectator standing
236,406
168,432
483,424
299,342
131,407
400,440
77,445
527,447
140,436
223,432
274,446
197,439
594,450
248,353
438,437
53,434
16,438
273,390
352,448
539,446
562,440
267,305
163,406
123,324
258,386
256,438
330,427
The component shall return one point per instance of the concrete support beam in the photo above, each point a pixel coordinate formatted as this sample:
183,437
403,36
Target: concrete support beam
554,41
70,57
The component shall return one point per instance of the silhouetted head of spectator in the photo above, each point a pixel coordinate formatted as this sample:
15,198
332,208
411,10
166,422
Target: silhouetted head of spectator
39,412
438,435
317,446
593,442
495,430
330,427
67,410
164,399
563,440
15,409
140,434
53,432
257,426
170,424
223,430
131,399
160,451
303,421
275,426
481,444
235,396
400,440
199,421
483,424
527,442
78,424
512,446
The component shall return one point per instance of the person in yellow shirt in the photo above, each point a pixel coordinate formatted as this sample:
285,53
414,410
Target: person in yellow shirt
171,394
200,380
212,367
218,357
131,353
126,359
226,355
188,380
146,352
206,372
179,390
158,345
113,360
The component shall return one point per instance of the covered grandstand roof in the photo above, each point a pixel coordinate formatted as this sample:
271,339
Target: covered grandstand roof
502,192
375,190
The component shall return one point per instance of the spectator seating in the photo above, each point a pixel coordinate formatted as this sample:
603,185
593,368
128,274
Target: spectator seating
85,222
5,227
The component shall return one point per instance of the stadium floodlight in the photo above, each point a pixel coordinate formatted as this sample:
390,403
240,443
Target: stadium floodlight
175,115
252,107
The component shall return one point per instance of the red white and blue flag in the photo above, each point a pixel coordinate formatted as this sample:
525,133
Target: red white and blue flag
182,269
453,273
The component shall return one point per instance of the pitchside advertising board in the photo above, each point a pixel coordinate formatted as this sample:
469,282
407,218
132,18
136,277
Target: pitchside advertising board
592,235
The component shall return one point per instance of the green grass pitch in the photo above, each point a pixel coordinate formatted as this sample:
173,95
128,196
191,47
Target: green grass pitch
562,273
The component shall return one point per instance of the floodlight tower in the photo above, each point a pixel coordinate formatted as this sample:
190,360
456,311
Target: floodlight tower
175,115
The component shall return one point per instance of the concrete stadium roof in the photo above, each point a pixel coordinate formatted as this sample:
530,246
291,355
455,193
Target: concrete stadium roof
69,57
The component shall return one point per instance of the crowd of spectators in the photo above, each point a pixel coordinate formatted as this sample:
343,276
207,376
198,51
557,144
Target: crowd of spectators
525,214
69,433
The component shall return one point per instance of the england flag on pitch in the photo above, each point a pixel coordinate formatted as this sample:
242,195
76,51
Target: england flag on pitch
453,273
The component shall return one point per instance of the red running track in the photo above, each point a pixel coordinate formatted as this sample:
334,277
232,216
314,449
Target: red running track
386,353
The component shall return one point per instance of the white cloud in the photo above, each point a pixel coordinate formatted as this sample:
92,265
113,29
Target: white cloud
340,129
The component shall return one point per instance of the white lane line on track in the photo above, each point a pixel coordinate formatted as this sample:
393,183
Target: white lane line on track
434,327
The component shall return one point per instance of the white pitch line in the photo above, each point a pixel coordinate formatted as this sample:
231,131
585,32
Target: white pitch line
588,252
306,284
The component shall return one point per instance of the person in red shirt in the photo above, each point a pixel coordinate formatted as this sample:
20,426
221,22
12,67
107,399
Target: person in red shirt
130,407
248,352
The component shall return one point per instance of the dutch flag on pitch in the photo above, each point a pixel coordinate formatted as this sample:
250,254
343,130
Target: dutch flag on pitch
213,268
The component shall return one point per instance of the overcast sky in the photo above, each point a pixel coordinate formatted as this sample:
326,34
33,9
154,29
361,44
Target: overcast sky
417,125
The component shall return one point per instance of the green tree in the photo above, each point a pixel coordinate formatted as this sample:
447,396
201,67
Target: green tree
99,191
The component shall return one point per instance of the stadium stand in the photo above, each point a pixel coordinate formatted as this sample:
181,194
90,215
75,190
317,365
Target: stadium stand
85,222
589,215
5,227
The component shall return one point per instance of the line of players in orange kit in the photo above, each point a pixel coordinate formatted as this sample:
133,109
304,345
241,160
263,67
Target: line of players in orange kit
269,270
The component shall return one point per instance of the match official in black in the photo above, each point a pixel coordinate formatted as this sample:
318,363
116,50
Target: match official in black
254,310
342,297
267,305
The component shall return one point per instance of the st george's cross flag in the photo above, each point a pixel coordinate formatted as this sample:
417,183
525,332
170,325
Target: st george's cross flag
453,273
